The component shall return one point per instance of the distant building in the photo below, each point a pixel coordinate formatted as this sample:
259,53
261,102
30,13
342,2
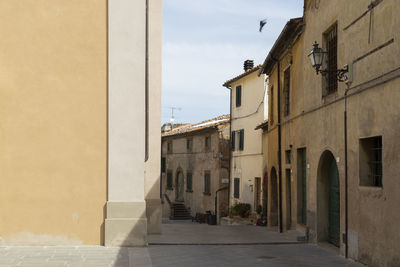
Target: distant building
195,164
247,92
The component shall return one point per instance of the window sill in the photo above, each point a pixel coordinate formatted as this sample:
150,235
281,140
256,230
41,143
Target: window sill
170,189
189,191
207,194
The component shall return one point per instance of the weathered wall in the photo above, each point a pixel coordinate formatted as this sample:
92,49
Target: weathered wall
53,122
248,163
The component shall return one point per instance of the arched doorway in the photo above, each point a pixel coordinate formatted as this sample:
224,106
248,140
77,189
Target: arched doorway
274,198
179,186
328,200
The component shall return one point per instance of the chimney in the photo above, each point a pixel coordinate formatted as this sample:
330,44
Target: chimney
248,65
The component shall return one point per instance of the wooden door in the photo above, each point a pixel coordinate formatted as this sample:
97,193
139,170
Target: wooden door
179,194
334,205
257,194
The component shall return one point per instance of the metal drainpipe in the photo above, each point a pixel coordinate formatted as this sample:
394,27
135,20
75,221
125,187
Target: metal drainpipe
230,148
346,200
279,147
146,138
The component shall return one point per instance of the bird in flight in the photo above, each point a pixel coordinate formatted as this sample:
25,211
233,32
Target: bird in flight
262,24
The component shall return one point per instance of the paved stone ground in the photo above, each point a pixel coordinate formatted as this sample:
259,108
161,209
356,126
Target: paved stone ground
196,245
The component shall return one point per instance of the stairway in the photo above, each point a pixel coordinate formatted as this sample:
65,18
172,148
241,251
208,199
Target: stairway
179,212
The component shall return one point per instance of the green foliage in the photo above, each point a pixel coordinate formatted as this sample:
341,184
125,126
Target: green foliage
241,209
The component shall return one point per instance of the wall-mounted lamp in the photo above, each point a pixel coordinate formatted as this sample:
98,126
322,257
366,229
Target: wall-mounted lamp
317,56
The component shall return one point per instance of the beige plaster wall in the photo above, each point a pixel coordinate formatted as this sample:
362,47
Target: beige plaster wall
53,122
248,163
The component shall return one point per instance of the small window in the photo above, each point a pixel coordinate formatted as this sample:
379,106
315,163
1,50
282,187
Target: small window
241,139
238,96
208,141
236,186
163,164
331,81
288,156
207,190
169,180
233,134
189,182
169,147
286,92
371,161
189,144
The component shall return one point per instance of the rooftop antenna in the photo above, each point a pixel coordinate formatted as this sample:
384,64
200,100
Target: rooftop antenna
172,120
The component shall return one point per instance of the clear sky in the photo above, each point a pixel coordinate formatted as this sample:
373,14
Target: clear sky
205,43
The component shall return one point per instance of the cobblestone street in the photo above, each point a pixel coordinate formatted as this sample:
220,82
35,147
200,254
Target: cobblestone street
186,244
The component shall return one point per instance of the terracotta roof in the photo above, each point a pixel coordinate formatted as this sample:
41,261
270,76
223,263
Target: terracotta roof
263,125
228,83
292,29
188,128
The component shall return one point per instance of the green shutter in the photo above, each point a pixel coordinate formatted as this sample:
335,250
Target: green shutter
238,96
189,182
163,164
236,187
241,139
169,180
207,183
233,133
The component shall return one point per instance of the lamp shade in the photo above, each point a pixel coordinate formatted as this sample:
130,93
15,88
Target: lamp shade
316,56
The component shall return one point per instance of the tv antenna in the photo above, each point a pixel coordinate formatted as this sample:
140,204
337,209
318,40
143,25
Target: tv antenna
172,120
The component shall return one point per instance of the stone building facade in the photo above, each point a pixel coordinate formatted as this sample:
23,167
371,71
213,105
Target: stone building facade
336,175
195,165
247,92
80,137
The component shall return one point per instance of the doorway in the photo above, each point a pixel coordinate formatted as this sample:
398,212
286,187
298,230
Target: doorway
257,193
328,200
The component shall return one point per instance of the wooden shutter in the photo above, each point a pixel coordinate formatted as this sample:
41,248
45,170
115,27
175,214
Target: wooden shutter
233,140
189,182
163,164
236,188
241,139
238,96
207,183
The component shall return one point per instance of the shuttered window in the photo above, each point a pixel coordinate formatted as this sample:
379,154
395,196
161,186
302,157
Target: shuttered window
238,96
189,182
241,139
286,92
331,45
207,183
233,134
169,180
163,164
236,186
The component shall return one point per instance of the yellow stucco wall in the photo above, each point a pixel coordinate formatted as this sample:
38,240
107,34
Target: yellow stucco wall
53,74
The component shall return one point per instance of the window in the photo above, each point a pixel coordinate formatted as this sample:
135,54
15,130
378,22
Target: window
238,96
189,144
236,186
286,92
163,164
331,47
241,139
271,116
208,141
189,182
371,161
288,156
169,147
207,190
169,180
233,134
